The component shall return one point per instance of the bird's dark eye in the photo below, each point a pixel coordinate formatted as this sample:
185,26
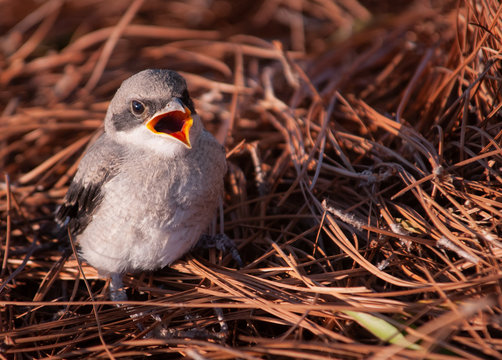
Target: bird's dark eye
137,107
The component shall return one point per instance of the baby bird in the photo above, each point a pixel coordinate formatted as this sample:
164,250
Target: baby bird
149,186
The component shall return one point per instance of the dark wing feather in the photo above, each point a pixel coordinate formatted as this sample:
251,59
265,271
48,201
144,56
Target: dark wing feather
98,166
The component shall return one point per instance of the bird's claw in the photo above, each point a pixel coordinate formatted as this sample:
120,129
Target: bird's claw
220,242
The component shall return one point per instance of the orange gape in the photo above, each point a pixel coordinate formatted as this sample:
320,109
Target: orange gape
175,123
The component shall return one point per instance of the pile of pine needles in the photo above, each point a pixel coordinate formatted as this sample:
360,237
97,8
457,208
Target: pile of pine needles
363,191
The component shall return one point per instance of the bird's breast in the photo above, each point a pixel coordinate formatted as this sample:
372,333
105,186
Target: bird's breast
153,211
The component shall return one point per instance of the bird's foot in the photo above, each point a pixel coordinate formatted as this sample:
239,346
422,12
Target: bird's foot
119,295
197,333
157,330
220,242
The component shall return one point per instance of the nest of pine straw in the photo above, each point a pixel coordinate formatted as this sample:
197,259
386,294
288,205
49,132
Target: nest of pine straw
363,192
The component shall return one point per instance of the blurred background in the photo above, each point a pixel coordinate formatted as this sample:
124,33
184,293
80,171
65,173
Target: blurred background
363,191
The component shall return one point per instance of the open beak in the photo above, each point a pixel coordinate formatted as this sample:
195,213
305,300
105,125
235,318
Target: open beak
174,120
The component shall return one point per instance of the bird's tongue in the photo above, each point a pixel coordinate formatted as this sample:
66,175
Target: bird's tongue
169,123
176,124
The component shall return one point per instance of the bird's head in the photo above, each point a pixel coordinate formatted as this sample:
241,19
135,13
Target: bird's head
152,109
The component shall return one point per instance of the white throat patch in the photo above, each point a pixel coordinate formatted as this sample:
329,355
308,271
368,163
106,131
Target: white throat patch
143,138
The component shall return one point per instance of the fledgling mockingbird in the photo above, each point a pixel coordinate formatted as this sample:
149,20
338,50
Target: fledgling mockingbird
149,186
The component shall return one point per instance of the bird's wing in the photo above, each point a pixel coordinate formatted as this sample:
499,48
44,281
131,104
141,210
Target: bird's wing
98,166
